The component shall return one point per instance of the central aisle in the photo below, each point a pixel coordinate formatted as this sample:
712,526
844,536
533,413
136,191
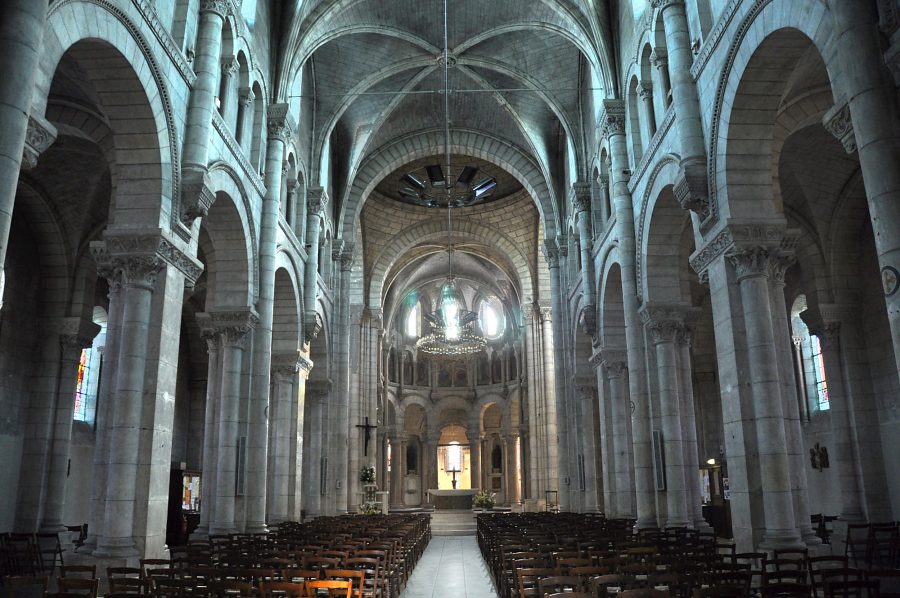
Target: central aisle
451,566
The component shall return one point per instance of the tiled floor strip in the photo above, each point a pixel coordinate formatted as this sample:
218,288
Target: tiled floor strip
451,567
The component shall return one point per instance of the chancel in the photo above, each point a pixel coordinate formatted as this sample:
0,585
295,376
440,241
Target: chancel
339,270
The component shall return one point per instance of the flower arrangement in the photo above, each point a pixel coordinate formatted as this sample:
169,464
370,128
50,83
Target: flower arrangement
484,499
367,474
368,508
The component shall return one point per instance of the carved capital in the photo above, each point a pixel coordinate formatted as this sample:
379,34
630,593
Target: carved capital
668,322
346,256
645,89
280,124
312,326
735,236
316,201
246,96
659,60
612,119
130,256
839,123
779,264
197,195
232,327
39,136
217,7
229,67
663,4
581,197
692,189
546,314
614,361
285,365
562,244
588,320
73,332
750,262
551,253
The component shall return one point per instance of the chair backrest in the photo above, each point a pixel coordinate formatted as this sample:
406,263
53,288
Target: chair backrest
527,579
644,593
356,577
559,583
78,585
335,587
20,586
854,588
785,589
723,591
272,589
231,587
82,571
128,585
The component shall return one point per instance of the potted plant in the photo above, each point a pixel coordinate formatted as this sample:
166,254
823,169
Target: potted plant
484,500
367,474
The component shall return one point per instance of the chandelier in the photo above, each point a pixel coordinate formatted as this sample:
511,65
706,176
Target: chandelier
452,332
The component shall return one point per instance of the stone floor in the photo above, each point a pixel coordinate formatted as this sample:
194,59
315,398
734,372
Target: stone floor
451,567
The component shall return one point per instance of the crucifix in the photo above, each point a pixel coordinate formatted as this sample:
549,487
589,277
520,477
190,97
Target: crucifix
367,428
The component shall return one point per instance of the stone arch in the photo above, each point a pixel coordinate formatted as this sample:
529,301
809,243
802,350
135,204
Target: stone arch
612,306
467,229
777,32
135,98
662,175
286,333
663,279
471,143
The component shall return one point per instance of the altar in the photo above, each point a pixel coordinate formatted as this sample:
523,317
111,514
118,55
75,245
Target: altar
451,499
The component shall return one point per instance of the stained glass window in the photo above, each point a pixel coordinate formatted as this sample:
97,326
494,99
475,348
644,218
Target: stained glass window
819,368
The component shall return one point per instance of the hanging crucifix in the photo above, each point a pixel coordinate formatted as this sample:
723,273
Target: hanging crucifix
367,428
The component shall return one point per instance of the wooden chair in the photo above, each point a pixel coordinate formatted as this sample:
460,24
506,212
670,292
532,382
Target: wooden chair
559,583
50,549
356,577
167,587
230,587
20,586
601,584
784,589
128,585
82,571
570,595
644,593
275,589
854,588
77,585
888,582
527,580
333,588
721,591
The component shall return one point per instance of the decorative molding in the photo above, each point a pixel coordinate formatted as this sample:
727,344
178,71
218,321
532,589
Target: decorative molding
197,196
750,262
286,364
219,7
692,189
39,136
232,326
714,38
663,4
140,255
839,123
773,235
668,322
581,197
165,39
652,148
238,153
612,119
317,201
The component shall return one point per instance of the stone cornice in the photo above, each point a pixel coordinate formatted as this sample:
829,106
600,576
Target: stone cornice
232,325
738,236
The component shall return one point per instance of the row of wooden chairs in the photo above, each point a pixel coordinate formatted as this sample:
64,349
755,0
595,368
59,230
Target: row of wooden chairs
876,544
29,554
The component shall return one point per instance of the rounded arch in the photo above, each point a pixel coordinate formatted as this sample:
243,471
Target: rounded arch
663,279
472,143
612,306
135,98
731,110
286,333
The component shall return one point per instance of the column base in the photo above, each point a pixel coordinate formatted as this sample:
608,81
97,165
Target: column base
256,528
779,539
701,525
809,537
89,546
222,531
115,548
52,527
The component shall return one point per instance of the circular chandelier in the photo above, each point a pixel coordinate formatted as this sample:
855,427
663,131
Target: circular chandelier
452,333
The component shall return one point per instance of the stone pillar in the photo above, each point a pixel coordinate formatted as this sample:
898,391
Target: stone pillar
509,468
553,253
551,473
533,398
227,96
210,430
615,364
751,266
77,337
660,81
298,436
873,132
139,277
280,129
845,450
104,406
612,125
475,462
284,373
785,349
429,462
689,426
317,200
232,328
246,112
340,404
21,40
290,203
314,425
645,112
691,184
197,196
589,435
664,324
581,200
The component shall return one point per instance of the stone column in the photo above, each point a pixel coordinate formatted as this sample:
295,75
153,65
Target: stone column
551,473
314,446
429,463
290,203
581,200
21,39
317,200
845,451
589,447
660,81
751,266
612,125
615,364
340,404
477,473
104,406
246,112
873,132
232,328
298,430
645,112
664,323
280,129
197,196
785,349
691,184
284,371
509,468
73,340
139,277
689,426
535,443
210,430
227,96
